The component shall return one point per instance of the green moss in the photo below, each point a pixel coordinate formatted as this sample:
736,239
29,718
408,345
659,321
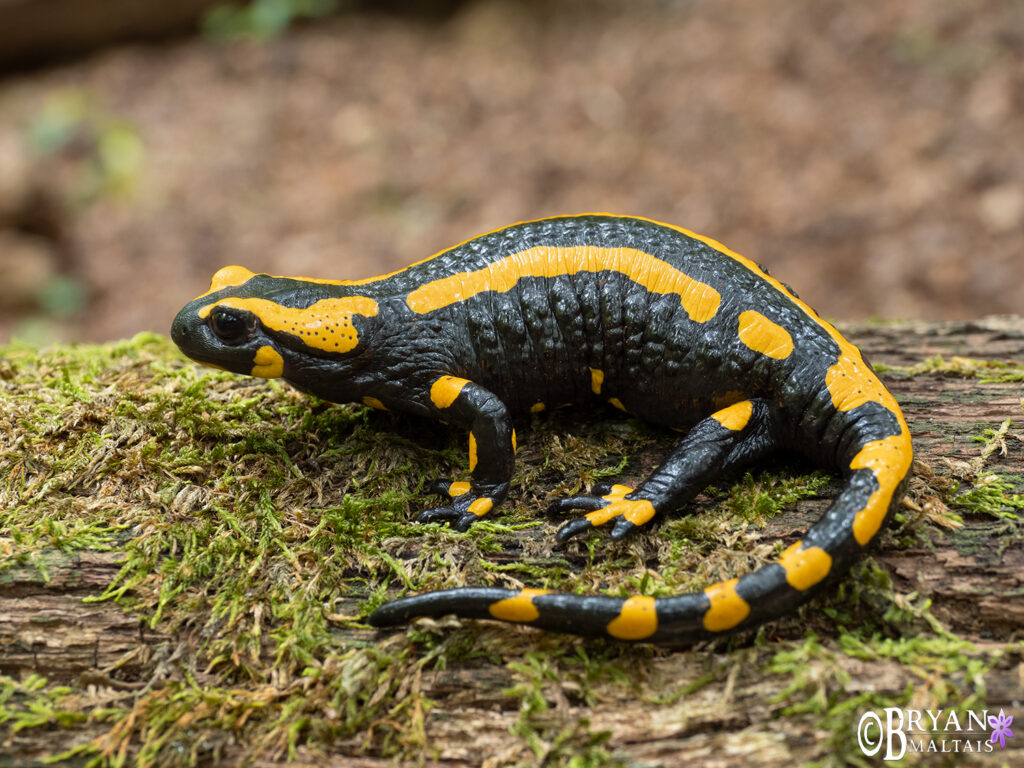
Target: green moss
576,672
34,702
757,500
993,495
257,526
986,371
945,672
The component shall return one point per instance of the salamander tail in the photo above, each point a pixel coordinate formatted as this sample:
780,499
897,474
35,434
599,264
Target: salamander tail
877,456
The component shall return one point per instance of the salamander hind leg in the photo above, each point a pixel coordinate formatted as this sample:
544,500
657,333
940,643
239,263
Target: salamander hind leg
730,437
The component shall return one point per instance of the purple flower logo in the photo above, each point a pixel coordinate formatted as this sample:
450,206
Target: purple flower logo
1000,728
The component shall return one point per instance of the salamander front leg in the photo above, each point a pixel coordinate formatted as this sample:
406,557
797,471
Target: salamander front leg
730,437
491,451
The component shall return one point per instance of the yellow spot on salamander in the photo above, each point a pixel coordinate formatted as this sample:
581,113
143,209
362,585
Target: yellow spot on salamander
481,506
760,273
515,445
472,451
851,384
805,567
760,334
267,363
636,511
849,380
458,488
326,325
617,491
890,460
520,608
445,390
700,300
727,608
596,380
228,277
617,403
637,619
373,402
537,407
735,417
639,512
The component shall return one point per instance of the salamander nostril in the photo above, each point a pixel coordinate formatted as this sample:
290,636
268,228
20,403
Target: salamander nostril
178,333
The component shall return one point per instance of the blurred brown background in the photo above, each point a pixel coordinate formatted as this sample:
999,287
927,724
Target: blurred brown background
870,154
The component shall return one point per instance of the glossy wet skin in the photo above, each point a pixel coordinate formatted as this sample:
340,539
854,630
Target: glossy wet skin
648,318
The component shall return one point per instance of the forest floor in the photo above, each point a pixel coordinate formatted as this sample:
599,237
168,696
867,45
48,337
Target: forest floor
868,154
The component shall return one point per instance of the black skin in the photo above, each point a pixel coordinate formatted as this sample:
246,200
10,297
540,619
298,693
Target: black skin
538,340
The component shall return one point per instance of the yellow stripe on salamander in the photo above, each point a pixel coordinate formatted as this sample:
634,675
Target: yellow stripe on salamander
325,325
850,362
472,452
700,300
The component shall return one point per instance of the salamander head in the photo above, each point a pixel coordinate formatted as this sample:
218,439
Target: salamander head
267,326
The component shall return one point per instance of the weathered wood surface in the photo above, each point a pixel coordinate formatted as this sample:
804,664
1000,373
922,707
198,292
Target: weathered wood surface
980,591
47,628
974,578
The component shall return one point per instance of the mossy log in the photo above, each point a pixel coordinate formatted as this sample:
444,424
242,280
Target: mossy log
765,700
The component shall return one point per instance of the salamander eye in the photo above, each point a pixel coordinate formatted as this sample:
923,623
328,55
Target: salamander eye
229,327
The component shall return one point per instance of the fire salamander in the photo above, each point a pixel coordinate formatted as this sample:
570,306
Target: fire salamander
653,319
